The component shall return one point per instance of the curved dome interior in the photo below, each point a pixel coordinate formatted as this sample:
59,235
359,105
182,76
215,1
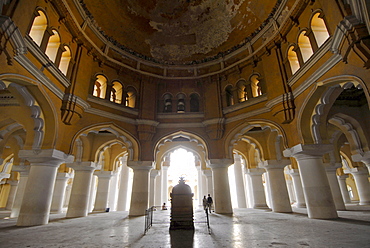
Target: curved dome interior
179,30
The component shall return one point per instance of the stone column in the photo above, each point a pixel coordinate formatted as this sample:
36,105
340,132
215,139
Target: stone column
221,187
23,178
152,188
140,187
80,194
361,175
343,188
102,192
331,172
164,172
278,190
112,195
11,196
198,166
59,192
257,190
209,179
92,193
123,186
298,190
365,158
316,188
239,181
38,194
158,190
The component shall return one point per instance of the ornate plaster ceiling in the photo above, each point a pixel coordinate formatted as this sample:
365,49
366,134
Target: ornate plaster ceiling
177,31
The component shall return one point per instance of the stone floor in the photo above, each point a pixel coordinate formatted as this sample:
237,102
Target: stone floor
245,228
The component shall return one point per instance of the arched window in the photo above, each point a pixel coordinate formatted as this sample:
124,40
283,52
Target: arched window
38,27
242,91
256,86
167,103
53,46
130,97
100,86
319,29
181,103
194,102
293,60
305,46
64,60
116,92
229,96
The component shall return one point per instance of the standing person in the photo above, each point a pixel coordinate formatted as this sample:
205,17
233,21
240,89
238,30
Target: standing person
205,203
209,202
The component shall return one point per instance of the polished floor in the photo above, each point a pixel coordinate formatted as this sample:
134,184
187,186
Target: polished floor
245,228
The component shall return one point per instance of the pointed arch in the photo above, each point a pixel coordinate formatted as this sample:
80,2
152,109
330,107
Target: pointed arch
319,29
39,26
293,59
53,45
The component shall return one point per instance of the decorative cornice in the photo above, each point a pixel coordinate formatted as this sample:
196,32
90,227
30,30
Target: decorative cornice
242,105
112,105
110,115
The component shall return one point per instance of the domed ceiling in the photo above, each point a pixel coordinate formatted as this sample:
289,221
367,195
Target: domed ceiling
178,31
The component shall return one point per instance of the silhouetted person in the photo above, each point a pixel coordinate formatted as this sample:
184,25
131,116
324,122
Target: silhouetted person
209,202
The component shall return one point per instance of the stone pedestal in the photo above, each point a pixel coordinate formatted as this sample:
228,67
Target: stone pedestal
182,207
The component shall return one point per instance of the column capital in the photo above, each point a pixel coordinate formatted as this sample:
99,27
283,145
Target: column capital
23,169
220,163
365,158
237,158
46,157
274,164
342,177
255,171
63,175
357,171
84,166
154,173
293,172
332,167
308,151
103,174
140,165
207,173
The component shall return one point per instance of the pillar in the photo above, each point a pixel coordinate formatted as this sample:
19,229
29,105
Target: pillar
140,187
38,194
164,172
102,192
364,158
112,195
278,190
331,172
316,188
221,187
92,193
59,192
152,188
23,178
360,174
343,188
209,182
11,196
239,181
298,190
198,166
79,200
158,190
258,197
123,186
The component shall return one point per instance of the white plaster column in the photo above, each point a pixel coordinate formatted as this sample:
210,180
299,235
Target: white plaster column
221,187
140,187
239,181
80,194
316,188
209,179
343,188
35,208
291,193
204,185
361,175
198,166
92,194
11,196
102,192
298,190
152,188
158,190
68,193
277,186
258,197
164,172
123,185
23,178
59,192
331,172
113,190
